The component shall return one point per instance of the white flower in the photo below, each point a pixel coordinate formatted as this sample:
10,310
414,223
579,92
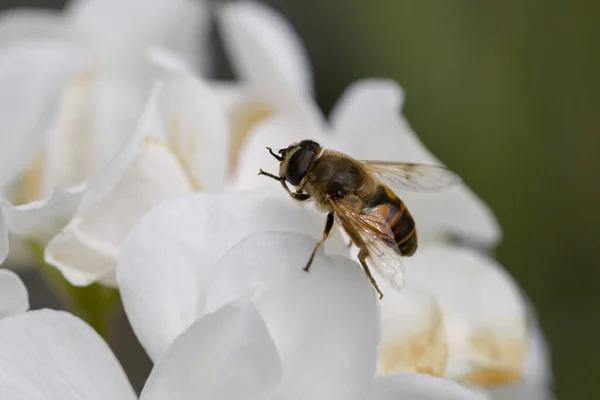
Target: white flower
189,151
460,316
3,239
492,339
179,146
71,88
232,353
536,382
199,149
57,356
14,298
193,146
265,52
408,386
176,248
191,130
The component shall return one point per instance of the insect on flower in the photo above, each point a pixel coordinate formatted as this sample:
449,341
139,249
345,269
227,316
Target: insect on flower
354,195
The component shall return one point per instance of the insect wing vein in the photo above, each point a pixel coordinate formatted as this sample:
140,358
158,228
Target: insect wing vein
413,177
378,238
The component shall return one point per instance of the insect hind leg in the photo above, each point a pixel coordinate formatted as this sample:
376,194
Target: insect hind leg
362,255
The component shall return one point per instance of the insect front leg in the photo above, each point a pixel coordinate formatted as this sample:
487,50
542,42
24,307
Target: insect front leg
294,195
298,195
326,231
362,255
261,172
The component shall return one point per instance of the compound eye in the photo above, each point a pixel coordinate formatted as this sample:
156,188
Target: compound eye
298,165
310,145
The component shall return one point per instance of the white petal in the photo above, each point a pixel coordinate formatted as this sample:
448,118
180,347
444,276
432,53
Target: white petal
165,262
180,25
197,129
413,336
250,114
421,387
97,112
522,391
42,219
165,110
536,383
230,93
85,134
456,211
86,249
52,353
179,112
264,49
484,313
325,323
32,73
225,355
361,102
369,123
276,132
19,24
99,187
14,298
245,110
168,60
149,126
3,237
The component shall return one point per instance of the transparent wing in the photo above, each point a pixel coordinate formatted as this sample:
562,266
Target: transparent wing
386,260
413,177
370,228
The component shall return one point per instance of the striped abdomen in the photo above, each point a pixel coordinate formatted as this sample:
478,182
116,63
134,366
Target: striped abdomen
398,219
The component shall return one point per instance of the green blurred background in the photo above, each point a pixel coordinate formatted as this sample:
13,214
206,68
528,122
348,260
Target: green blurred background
505,93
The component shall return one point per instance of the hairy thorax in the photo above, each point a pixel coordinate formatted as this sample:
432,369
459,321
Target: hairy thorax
335,176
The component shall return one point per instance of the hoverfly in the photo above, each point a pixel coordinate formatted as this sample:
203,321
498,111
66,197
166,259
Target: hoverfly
355,195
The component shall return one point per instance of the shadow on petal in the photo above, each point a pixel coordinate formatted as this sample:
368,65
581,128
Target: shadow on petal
53,352
325,323
14,298
483,310
176,247
421,387
413,333
228,354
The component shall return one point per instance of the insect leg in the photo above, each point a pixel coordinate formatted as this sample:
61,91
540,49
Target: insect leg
328,226
362,255
279,158
294,195
261,172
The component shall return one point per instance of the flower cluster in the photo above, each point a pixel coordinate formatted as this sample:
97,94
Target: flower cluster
134,170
